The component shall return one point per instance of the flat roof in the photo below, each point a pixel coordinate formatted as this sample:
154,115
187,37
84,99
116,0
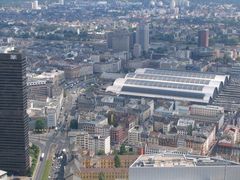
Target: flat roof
179,160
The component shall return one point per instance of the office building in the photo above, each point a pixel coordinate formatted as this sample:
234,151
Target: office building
119,40
137,50
143,36
203,38
14,142
182,167
99,143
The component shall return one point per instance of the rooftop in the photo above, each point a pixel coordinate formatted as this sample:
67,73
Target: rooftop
169,84
175,160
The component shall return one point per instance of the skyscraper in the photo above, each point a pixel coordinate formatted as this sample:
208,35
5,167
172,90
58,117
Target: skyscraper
203,38
14,142
143,36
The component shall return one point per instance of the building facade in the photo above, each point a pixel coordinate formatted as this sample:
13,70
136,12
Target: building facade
14,142
203,38
143,36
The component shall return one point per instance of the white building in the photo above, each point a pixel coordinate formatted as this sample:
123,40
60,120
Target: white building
91,143
51,116
183,124
208,110
99,143
35,5
53,109
134,135
170,166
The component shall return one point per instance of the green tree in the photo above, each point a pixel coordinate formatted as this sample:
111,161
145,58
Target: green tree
111,118
122,149
100,153
74,124
101,176
117,162
39,125
189,130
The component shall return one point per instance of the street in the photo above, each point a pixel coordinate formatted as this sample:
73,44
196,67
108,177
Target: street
54,141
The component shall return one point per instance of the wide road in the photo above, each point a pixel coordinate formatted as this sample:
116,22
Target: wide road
45,144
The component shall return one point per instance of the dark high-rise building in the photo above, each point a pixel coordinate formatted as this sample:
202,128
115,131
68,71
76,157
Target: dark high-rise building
14,142
203,38
119,40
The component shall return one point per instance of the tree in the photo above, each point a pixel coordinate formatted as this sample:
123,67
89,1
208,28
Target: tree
74,124
122,149
189,130
100,153
117,162
101,176
111,118
39,125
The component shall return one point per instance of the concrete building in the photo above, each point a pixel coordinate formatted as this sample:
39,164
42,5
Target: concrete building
91,143
203,38
80,139
202,139
182,167
92,125
110,66
183,124
134,135
51,117
53,109
208,110
137,50
39,89
119,40
99,143
78,71
55,76
142,36
44,85
102,129
117,135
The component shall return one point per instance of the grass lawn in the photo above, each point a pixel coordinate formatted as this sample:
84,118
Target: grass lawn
47,169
